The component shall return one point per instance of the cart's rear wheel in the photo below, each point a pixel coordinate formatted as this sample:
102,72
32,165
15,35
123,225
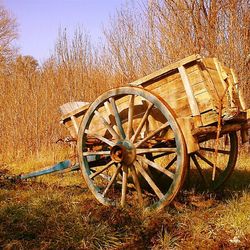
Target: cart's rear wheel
130,144
205,158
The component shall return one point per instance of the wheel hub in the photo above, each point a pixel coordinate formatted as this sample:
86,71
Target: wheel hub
123,152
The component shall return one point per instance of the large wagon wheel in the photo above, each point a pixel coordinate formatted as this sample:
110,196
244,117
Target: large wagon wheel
138,138
205,158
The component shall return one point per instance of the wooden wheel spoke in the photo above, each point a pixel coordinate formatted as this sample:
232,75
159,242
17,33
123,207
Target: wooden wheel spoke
137,184
156,166
149,180
88,153
107,125
112,180
199,169
93,175
130,116
226,152
117,117
155,150
124,184
101,138
108,110
161,155
207,161
142,122
171,162
152,134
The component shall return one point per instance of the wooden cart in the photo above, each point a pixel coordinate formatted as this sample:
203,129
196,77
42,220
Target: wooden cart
139,140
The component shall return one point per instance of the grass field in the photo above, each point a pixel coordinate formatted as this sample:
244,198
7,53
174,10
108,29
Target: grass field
58,212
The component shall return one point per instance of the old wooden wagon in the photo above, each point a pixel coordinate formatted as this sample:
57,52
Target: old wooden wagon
135,143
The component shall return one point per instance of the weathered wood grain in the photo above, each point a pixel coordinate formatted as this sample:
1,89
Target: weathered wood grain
193,87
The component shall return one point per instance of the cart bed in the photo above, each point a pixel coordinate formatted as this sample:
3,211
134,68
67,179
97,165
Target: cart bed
193,87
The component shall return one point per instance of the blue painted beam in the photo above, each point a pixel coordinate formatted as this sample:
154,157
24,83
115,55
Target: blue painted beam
58,167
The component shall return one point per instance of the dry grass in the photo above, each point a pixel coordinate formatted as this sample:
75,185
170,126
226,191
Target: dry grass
58,212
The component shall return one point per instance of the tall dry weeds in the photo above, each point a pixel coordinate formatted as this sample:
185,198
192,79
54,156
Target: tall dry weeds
140,38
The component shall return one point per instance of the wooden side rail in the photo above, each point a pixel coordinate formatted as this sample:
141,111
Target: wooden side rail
224,130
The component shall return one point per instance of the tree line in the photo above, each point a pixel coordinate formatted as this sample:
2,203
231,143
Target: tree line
142,36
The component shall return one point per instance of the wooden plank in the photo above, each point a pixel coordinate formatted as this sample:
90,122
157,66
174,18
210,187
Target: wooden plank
222,75
241,100
155,120
187,125
233,92
248,114
171,80
204,101
226,75
160,73
197,89
66,108
175,94
191,68
235,78
226,69
209,84
175,86
219,87
209,63
75,112
191,98
209,117
214,68
195,76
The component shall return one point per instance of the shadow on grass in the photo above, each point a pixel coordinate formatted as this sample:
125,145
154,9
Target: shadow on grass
64,219
194,188
239,180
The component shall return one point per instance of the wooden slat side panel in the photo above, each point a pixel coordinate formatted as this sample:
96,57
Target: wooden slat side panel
220,89
204,101
209,85
159,73
173,78
217,82
171,89
233,92
233,87
170,96
176,99
231,98
241,100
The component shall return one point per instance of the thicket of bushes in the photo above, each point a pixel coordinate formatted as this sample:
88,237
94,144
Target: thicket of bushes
140,38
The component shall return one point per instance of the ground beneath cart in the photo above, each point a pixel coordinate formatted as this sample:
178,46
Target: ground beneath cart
58,212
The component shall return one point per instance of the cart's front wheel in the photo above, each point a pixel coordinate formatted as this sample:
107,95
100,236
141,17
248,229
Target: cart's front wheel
129,146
